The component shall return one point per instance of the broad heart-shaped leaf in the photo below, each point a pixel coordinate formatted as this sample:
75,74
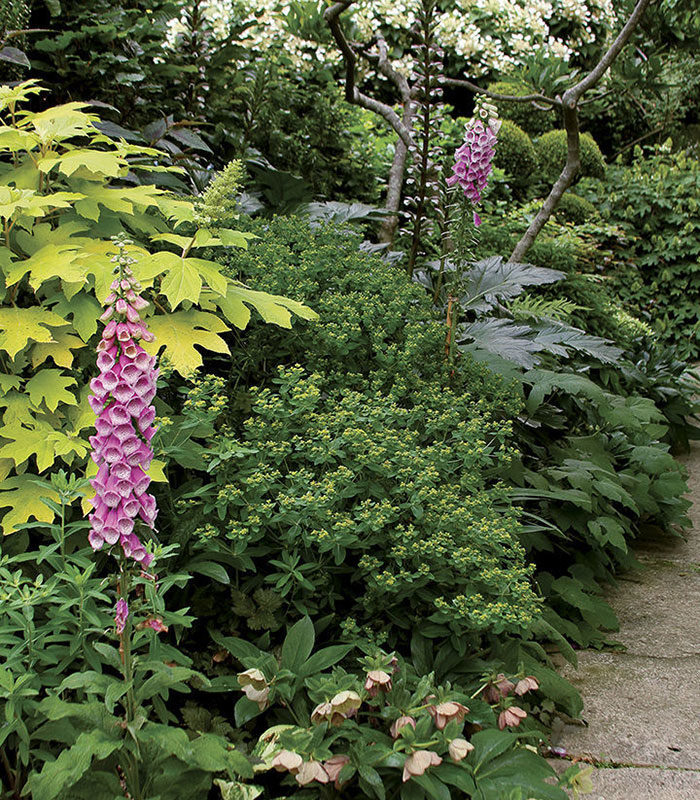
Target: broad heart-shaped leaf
73,763
50,385
21,325
492,279
298,644
180,331
22,495
272,308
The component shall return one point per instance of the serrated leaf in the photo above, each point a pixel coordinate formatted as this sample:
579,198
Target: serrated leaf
272,308
18,326
58,350
502,338
22,495
180,332
84,312
493,279
98,162
50,385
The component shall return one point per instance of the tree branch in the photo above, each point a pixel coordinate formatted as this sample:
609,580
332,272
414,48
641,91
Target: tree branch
352,93
575,92
569,103
573,162
511,98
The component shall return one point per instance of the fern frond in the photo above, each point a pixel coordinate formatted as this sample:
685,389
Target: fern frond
529,307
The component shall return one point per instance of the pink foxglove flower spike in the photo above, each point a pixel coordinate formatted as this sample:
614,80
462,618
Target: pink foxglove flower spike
121,398
474,159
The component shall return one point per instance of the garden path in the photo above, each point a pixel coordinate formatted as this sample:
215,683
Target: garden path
642,705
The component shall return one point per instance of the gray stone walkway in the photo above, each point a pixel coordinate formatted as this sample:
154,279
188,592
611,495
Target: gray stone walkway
642,706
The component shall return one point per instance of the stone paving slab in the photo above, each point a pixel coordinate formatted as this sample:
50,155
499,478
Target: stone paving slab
654,605
644,784
639,710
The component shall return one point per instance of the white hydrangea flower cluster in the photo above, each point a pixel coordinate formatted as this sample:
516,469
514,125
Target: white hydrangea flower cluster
490,35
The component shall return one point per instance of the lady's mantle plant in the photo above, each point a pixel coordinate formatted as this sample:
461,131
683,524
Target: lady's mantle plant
121,397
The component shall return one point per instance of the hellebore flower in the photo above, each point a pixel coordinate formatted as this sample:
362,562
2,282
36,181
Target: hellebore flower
121,614
511,717
252,677
333,767
377,679
121,397
401,722
473,160
418,762
458,749
446,712
528,684
311,771
337,709
498,688
287,761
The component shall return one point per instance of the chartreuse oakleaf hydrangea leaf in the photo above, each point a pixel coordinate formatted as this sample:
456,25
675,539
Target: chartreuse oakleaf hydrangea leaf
18,326
179,332
50,385
42,441
51,261
272,308
58,350
22,495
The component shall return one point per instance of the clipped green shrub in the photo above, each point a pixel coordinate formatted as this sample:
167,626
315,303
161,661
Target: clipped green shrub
573,208
551,156
534,121
515,154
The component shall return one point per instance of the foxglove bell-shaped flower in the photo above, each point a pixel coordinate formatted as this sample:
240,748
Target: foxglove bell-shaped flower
474,159
121,398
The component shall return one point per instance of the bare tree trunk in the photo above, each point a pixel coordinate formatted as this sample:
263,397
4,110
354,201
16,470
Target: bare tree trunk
395,181
393,194
569,105
573,163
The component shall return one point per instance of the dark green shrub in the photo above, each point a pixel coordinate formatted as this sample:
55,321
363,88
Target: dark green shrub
515,154
656,202
533,120
573,208
551,156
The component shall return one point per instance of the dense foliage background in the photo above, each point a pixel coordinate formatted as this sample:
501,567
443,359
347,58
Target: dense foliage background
394,472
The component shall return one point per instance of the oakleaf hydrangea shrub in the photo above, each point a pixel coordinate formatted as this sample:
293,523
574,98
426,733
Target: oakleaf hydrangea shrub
364,481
